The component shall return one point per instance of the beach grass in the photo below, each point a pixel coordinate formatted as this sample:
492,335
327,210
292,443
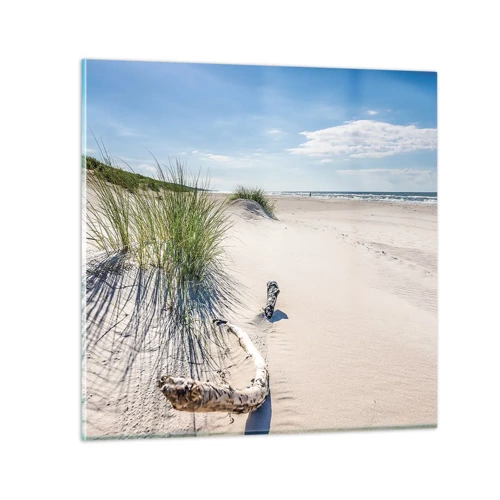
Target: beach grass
168,247
256,194
179,228
109,224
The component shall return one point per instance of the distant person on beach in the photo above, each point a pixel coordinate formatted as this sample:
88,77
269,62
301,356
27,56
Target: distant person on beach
310,194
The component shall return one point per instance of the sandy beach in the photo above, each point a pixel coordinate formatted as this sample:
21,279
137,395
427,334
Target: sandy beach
352,343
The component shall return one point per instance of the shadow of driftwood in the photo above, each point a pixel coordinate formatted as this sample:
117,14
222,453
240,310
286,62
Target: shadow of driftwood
132,311
278,316
259,421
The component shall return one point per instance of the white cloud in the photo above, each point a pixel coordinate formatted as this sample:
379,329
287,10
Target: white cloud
121,129
372,112
128,132
329,160
132,160
367,139
147,169
216,157
210,156
274,131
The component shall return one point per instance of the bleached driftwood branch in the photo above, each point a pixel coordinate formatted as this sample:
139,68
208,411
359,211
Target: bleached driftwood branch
196,396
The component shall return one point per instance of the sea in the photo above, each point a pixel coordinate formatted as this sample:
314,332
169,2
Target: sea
379,196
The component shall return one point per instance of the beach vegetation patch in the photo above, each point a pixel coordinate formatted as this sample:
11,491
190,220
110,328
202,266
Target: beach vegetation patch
179,228
256,194
131,181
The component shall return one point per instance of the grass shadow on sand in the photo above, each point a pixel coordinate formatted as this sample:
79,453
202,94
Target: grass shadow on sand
139,313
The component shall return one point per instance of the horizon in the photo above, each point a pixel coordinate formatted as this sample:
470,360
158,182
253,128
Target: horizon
281,128
372,191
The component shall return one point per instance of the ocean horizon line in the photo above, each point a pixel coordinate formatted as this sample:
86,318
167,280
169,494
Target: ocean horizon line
429,197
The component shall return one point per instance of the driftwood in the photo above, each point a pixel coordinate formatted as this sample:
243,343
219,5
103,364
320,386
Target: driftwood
272,296
196,396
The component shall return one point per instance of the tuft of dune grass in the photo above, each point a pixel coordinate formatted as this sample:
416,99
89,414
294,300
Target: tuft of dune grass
172,230
256,194
109,227
179,228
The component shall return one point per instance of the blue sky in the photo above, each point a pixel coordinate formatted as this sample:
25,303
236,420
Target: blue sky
280,128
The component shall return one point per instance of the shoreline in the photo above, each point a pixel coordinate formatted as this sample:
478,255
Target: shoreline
376,197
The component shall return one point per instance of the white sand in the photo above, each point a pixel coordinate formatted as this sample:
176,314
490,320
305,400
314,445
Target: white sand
353,343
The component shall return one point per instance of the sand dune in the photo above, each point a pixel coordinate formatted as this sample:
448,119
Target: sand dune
352,344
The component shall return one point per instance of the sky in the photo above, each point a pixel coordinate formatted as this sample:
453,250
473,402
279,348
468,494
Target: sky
279,128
